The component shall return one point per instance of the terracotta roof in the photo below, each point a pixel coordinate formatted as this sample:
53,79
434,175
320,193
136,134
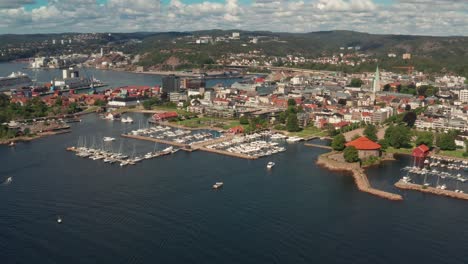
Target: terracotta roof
363,143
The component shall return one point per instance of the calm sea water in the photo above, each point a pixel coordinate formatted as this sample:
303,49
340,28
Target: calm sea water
111,78
164,211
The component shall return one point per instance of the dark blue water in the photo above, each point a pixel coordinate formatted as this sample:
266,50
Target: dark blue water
164,211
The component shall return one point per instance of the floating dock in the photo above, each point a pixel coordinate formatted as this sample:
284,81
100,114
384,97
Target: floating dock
416,187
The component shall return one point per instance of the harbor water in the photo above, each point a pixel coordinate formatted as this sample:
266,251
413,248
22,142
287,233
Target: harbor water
163,210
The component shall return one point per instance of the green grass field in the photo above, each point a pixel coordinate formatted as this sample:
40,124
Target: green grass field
309,131
453,153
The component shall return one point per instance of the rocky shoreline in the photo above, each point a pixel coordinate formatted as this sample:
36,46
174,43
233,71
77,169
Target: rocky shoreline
31,138
359,176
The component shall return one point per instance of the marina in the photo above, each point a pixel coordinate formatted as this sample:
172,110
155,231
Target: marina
107,155
252,146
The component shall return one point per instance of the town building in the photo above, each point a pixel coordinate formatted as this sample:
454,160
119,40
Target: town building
171,83
366,147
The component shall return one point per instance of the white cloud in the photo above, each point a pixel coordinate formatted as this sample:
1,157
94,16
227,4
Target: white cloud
436,17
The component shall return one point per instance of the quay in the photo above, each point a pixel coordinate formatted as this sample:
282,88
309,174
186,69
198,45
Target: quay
416,187
359,176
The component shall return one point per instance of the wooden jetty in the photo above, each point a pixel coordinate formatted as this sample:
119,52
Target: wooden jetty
416,187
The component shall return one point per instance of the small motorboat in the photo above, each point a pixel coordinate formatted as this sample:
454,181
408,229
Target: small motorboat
218,185
270,164
108,139
12,144
59,220
8,180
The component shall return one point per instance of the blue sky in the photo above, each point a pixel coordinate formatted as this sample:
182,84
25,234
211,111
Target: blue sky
421,17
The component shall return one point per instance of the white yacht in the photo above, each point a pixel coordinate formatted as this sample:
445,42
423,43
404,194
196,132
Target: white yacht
218,185
294,139
270,164
406,179
108,139
59,219
127,120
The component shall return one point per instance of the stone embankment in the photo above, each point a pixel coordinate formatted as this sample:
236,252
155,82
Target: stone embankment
416,187
358,173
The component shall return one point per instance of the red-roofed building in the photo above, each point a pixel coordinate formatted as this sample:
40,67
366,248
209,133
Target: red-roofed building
365,147
164,116
419,154
236,130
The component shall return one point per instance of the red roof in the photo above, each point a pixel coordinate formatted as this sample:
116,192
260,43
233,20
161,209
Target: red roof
420,151
165,115
363,143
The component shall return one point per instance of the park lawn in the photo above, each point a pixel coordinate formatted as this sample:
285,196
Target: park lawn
309,131
208,121
458,153
408,151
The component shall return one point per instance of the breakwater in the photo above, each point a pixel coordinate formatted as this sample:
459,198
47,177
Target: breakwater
416,187
358,173
317,146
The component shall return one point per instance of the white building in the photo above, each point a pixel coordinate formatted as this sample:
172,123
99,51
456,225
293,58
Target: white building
463,96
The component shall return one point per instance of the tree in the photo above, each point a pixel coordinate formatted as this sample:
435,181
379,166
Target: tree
148,104
338,142
386,87
446,141
410,118
371,133
426,138
398,136
292,124
356,82
291,102
384,144
356,136
101,103
351,154
243,120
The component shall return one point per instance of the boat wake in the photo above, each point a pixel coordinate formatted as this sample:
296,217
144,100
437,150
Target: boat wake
8,181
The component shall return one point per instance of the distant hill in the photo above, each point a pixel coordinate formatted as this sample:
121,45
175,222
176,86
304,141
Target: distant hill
433,54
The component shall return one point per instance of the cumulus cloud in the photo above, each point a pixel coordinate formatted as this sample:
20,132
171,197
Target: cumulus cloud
428,17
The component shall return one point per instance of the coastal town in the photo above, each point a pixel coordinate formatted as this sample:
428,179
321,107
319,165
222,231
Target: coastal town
366,116
231,131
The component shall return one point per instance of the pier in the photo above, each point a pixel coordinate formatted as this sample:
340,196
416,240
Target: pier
162,141
416,187
359,175
196,146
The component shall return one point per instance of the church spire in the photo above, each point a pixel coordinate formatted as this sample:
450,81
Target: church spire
376,82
